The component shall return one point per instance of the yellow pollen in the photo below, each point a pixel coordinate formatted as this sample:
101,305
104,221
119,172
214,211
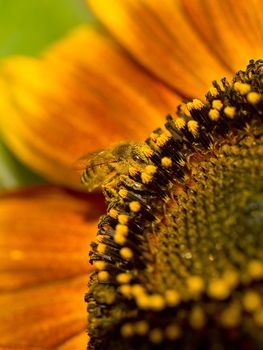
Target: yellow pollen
154,136
172,297
179,123
123,193
218,289
253,97
127,330
195,285
143,301
146,151
123,278
189,106
172,332
125,290
156,336
157,302
146,178
217,104
213,91
213,114
133,171
113,213
150,169
141,327
126,253
230,111
255,269
162,139
166,162
123,219
193,127
197,104
103,276
137,290
242,88
121,229
251,301
99,264
135,206
101,248
119,238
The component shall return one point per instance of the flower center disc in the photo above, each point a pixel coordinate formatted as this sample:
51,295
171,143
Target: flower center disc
178,256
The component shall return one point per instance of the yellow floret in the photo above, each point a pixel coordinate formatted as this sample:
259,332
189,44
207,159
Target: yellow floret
242,88
123,278
146,178
135,206
195,284
213,114
166,162
99,264
103,276
180,123
193,127
253,97
251,301
121,229
230,111
217,104
126,253
113,213
218,289
127,330
123,193
123,219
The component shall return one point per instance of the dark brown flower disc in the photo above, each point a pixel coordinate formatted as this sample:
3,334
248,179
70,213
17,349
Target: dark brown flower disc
178,256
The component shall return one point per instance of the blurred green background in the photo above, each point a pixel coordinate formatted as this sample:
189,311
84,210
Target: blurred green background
27,27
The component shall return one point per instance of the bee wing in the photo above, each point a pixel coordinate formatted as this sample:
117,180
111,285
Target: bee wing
94,168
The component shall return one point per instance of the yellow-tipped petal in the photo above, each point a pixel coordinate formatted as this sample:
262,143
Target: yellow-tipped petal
159,36
83,94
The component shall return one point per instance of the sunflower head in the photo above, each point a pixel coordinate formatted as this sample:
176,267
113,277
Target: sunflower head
178,256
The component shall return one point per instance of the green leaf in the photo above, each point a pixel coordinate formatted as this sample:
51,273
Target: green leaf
27,26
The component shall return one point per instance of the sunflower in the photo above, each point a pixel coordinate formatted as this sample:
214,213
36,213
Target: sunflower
113,80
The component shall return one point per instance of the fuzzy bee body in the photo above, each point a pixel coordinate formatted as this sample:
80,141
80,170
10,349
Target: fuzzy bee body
99,167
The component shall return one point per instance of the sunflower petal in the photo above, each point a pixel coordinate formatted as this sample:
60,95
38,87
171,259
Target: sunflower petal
45,235
43,316
233,31
57,106
44,239
160,37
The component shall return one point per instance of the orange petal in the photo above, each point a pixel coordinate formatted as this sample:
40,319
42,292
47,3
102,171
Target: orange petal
44,241
44,235
43,316
159,35
82,95
232,30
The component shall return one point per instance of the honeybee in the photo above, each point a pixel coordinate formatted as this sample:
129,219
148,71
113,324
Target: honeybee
101,166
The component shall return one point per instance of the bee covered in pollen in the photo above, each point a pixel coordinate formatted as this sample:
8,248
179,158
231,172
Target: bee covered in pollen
99,168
